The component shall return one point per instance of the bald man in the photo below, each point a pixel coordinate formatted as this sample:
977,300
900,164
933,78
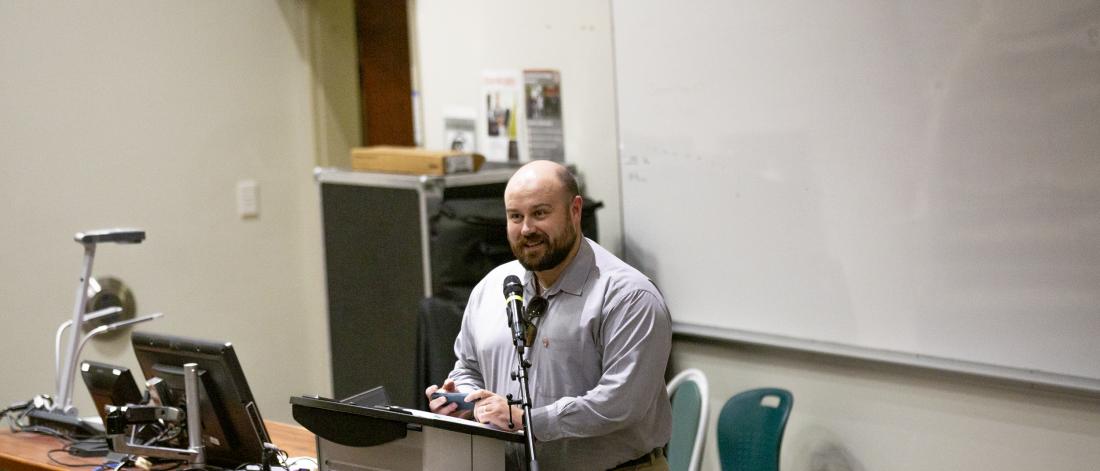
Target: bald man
598,353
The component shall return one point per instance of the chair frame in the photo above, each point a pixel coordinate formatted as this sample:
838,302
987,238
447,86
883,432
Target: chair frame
696,376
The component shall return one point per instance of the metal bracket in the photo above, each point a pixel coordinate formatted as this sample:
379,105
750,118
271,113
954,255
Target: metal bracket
195,452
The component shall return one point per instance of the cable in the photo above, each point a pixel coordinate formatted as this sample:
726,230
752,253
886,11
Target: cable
292,461
49,454
22,407
13,421
272,456
281,456
13,408
171,466
163,435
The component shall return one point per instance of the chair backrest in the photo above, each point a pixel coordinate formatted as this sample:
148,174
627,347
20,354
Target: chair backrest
688,391
750,429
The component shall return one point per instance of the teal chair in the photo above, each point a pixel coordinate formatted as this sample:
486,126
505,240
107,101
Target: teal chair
750,429
688,391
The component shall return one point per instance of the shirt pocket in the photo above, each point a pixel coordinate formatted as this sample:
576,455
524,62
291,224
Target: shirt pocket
563,368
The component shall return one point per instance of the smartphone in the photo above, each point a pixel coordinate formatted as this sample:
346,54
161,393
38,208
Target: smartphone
455,397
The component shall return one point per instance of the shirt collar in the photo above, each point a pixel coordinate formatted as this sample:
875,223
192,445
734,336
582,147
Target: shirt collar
572,278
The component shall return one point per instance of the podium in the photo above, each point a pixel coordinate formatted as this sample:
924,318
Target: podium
360,438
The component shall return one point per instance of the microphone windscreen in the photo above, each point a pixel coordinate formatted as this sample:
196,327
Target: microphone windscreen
512,285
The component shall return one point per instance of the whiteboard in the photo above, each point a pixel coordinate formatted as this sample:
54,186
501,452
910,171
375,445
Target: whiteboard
909,180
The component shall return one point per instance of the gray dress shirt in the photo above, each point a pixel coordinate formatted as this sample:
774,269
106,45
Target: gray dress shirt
598,361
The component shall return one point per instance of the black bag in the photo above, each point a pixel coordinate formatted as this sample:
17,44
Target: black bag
468,240
438,323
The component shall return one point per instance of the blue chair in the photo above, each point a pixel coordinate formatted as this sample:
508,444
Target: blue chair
688,391
750,429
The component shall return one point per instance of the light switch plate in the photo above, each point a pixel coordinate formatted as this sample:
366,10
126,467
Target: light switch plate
248,199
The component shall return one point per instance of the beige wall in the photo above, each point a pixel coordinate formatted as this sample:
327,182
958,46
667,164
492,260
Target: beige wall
146,115
334,60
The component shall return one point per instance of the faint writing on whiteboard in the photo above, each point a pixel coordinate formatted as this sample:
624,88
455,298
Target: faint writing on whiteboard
638,166
634,174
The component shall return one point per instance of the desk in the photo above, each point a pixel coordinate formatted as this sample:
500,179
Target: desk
27,451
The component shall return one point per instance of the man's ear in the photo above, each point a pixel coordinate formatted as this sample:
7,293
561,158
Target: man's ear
575,208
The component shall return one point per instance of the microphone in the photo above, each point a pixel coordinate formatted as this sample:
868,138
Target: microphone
67,406
513,298
61,330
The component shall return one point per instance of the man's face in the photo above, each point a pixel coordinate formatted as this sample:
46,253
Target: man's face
540,227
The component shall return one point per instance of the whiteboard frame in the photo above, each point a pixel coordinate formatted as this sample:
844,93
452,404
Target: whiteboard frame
985,370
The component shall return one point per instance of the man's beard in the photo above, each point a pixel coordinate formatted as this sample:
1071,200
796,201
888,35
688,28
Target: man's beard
555,253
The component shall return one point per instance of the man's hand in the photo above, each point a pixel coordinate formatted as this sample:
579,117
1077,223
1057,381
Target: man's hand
440,405
494,409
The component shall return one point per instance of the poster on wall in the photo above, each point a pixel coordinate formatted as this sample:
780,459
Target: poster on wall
542,91
501,109
460,129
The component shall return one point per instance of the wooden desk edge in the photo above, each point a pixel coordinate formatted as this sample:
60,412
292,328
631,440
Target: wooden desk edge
27,451
293,439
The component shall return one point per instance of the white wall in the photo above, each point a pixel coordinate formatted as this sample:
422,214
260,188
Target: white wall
146,115
848,414
456,41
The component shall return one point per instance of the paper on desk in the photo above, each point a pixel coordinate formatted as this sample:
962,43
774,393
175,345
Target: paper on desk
434,416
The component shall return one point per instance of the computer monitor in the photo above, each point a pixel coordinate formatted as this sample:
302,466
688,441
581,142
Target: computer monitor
233,431
109,385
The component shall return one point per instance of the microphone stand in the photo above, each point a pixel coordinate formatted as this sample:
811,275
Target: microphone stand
89,240
516,324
